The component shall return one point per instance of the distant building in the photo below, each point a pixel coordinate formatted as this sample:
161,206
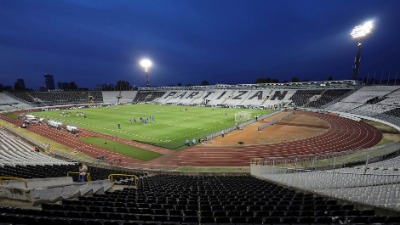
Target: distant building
49,82
104,87
67,86
62,85
19,85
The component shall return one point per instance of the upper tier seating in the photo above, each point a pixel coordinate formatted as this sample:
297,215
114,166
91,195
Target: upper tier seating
147,96
328,96
60,97
302,97
8,103
381,102
371,110
370,92
111,97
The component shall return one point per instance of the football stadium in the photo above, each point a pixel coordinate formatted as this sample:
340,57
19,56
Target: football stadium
299,153
238,126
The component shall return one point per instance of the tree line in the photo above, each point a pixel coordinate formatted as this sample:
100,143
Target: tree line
123,85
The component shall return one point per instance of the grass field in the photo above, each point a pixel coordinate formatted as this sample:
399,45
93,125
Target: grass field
171,127
12,115
131,151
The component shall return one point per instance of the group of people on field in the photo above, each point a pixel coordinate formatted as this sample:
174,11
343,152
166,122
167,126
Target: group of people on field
143,120
187,143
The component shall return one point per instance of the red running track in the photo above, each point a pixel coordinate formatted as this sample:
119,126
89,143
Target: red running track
343,135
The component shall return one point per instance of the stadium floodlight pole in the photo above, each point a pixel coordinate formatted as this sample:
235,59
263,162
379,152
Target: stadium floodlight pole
358,33
146,64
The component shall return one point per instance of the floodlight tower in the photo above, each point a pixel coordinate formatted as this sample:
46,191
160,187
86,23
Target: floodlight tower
146,64
358,33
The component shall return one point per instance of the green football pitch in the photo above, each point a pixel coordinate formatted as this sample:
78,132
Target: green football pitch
172,125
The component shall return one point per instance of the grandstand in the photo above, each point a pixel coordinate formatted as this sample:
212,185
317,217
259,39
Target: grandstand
15,152
111,97
347,180
59,97
10,103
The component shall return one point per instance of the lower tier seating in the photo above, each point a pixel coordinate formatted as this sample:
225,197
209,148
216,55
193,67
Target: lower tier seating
39,171
175,200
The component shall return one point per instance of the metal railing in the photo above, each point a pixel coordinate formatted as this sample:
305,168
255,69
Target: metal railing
262,127
331,160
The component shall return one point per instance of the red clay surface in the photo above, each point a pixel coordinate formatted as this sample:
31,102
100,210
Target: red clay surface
301,134
294,127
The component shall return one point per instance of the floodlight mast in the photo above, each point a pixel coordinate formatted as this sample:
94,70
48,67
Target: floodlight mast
146,64
358,33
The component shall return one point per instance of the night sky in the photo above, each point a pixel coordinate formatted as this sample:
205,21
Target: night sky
221,41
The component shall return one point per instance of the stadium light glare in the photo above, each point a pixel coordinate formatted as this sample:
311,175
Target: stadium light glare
360,32
146,64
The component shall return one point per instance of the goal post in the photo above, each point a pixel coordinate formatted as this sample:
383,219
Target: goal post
242,116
